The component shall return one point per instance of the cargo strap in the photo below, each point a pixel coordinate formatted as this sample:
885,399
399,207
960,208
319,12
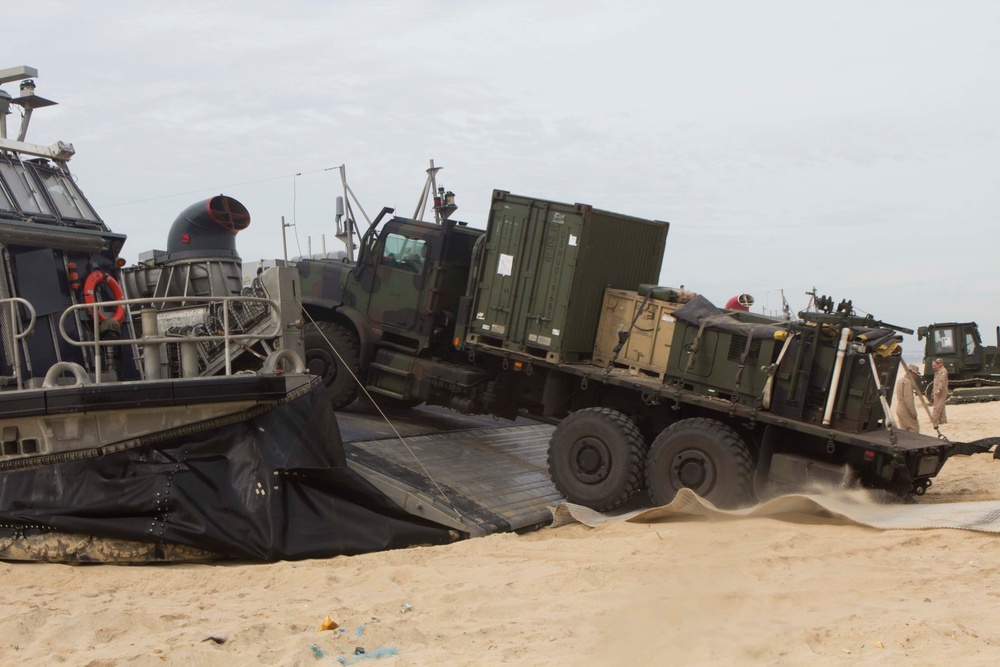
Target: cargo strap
739,375
882,399
752,421
694,346
772,370
623,336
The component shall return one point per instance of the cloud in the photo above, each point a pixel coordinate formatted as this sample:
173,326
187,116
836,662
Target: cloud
846,146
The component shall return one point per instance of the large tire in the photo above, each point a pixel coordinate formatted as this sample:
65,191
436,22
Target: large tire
329,362
705,456
596,457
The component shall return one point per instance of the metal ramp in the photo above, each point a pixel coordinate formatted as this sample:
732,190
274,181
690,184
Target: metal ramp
495,479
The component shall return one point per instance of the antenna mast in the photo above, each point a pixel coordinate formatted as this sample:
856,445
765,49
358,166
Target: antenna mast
346,227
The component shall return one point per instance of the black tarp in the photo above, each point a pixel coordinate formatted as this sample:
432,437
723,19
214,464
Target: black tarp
273,487
700,310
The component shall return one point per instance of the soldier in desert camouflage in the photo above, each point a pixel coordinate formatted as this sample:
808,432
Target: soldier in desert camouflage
906,409
940,391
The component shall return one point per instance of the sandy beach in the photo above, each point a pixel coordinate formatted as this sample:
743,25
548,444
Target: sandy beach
794,590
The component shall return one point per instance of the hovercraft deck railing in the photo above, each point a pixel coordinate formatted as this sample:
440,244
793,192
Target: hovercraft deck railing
151,342
13,302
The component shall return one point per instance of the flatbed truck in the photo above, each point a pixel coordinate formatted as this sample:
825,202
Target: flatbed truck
552,311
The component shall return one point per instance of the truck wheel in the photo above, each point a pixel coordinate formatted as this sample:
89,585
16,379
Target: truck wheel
703,455
321,360
596,457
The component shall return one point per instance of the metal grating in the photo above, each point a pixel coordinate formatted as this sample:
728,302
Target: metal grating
738,343
496,478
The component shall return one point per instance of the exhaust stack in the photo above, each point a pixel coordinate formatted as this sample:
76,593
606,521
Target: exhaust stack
201,257
207,229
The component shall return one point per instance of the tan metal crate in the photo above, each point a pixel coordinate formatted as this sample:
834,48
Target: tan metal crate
647,349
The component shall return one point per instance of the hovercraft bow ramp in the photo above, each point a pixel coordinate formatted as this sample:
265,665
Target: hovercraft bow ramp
494,478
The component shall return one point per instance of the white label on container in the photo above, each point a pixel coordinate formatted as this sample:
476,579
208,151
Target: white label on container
499,328
486,327
555,332
558,218
572,239
544,340
533,338
666,318
505,265
480,316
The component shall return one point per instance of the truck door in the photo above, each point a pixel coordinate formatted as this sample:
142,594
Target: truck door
399,276
972,348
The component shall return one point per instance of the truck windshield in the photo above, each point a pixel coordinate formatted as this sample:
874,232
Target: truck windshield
944,341
404,253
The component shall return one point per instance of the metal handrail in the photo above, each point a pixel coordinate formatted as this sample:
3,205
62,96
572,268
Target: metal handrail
156,340
13,301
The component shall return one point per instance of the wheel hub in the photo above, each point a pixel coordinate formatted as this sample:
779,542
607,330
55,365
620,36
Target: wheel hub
320,363
694,470
591,460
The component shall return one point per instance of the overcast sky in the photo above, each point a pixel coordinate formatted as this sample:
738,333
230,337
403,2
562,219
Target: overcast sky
846,146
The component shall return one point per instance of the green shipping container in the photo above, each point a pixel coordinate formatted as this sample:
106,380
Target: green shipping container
545,266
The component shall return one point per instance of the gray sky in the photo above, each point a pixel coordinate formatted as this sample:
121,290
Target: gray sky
847,146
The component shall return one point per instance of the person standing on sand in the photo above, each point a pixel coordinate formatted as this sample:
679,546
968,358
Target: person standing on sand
906,409
940,391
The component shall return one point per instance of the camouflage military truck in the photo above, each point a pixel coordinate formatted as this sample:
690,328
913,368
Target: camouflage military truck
973,368
552,312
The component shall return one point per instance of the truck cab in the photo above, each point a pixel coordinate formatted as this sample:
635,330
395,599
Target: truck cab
398,300
413,274
957,344
970,364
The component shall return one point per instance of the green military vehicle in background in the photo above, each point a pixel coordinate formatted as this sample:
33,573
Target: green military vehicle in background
552,312
973,368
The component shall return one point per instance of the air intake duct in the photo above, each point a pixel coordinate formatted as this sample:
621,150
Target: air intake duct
207,230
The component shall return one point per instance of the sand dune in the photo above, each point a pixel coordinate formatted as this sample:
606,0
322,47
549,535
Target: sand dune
795,590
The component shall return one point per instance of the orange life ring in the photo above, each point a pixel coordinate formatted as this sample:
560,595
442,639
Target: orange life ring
95,279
